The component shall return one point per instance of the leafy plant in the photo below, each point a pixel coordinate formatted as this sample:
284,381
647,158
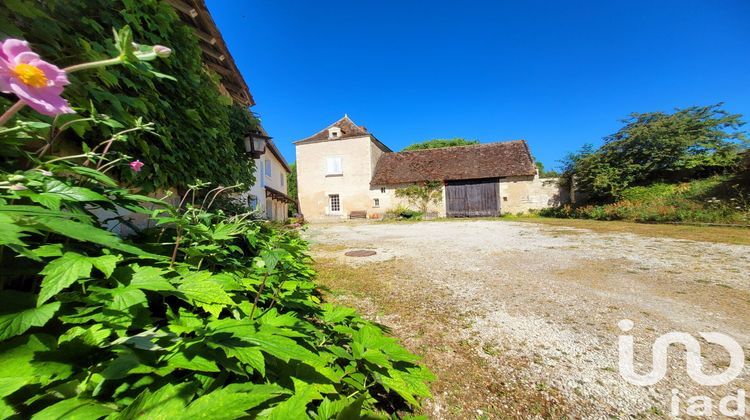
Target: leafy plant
422,194
200,312
687,144
435,143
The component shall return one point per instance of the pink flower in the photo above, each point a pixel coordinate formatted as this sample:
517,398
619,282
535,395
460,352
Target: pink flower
136,165
36,82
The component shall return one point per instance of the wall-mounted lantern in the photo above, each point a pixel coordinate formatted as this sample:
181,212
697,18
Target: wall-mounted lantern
255,144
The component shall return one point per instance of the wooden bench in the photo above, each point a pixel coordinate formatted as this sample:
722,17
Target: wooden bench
358,214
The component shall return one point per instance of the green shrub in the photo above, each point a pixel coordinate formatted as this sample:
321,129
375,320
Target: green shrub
203,313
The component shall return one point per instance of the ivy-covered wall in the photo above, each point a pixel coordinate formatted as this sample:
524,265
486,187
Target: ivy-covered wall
199,134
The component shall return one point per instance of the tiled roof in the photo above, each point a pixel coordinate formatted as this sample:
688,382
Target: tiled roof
490,160
348,129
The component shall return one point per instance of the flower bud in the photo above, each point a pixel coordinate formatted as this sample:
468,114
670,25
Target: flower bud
162,51
18,187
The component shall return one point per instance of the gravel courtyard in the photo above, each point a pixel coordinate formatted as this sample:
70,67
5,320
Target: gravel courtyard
521,319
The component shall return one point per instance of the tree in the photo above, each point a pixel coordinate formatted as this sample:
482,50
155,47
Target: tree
422,194
656,146
545,174
291,185
435,143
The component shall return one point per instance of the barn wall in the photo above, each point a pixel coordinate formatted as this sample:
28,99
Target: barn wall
521,194
389,201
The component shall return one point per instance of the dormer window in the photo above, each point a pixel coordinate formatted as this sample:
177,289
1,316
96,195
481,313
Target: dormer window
334,132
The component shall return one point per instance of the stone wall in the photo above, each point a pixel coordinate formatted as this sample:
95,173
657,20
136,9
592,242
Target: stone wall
521,194
314,185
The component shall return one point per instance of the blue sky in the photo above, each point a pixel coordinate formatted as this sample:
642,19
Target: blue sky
556,73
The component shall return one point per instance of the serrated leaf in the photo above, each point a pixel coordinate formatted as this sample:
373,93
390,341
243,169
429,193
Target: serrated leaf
87,233
295,407
73,409
125,297
149,278
353,410
56,188
10,232
376,357
166,403
106,263
333,314
408,384
232,401
202,289
61,273
18,323
49,250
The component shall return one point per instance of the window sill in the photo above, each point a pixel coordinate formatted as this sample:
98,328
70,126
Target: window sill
333,175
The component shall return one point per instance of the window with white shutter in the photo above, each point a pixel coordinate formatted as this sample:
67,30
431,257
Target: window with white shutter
333,166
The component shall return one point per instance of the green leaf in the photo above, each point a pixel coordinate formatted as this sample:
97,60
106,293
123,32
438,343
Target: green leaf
232,401
20,364
296,406
376,357
125,297
73,409
17,323
61,273
10,232
408,384
353,410
166,403
87,233
59,189
162,75
93,174
49,250
149,278
201,289
333,314
106,263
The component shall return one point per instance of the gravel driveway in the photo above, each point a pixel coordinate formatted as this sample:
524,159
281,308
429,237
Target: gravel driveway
536,310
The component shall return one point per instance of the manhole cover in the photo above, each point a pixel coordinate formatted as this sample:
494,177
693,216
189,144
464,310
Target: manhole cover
360,253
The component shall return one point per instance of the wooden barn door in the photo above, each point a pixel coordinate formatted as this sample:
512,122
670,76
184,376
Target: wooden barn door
474,198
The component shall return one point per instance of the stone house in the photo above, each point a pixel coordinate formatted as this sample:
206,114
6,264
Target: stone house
269,193
344,170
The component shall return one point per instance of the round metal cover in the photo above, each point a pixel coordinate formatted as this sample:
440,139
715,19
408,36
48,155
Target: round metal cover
360,253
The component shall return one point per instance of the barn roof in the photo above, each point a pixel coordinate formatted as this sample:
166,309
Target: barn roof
489,160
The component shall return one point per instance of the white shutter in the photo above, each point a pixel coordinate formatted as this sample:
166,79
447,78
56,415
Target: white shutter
333,166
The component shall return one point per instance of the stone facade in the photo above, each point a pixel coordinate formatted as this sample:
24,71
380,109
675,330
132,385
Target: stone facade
336,169
269,172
